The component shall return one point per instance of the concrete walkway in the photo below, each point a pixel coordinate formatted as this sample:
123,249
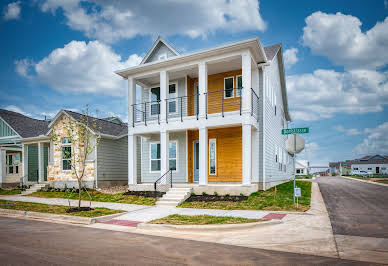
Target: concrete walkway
141,213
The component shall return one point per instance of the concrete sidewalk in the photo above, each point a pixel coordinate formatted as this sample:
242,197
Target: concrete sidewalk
141,213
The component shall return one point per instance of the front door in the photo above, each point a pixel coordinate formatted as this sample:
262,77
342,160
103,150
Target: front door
196,160
377,170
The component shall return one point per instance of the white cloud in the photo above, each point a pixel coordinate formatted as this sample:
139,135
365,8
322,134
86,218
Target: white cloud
348,131
324,93
16,109
339,37
110,21
290,57
376,142
80,67
23,67
386,3
12,11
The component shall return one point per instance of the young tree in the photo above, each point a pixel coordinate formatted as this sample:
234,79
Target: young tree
84,136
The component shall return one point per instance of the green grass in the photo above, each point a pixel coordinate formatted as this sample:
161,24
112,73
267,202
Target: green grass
304,176
202,219
10,191
382,181
98,196
263,200
54,209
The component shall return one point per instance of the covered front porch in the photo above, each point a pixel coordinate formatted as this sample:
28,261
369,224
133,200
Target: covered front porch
36,157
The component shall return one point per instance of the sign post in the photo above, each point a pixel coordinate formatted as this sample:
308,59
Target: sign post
294,131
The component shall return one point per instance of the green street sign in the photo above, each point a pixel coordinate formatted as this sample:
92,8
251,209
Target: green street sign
301,130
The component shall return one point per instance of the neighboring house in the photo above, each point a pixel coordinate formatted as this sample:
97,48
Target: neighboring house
343,168
214,117
302,167
15,127
375,164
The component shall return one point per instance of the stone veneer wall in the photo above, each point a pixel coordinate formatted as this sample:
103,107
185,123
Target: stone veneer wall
58,177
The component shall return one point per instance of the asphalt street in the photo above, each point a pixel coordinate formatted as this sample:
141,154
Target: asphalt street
34,242
355,208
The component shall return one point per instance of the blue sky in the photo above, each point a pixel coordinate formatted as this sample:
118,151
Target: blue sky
62,54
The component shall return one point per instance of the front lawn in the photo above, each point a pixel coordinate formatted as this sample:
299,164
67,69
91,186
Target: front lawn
303,176
177,219
263,200
98,196
385,181
54,209
10,191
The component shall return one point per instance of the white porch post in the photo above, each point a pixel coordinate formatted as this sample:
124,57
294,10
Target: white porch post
40,162
164,80
246,81
247,154
3,159
203,156
202,88
132,173
164,163
131,99
25,162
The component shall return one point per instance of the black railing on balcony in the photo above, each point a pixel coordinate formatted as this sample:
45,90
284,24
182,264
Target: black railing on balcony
145,112
255,105
183,106
222,101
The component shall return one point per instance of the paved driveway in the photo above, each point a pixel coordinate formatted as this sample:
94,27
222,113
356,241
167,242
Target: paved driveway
359,216
41,243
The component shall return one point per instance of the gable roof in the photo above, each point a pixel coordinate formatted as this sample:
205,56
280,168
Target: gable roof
157,41
272,50
24,126
105,127
374,159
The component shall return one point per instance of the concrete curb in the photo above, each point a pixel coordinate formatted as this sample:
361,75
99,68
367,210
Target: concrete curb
365,181
202,228
58,217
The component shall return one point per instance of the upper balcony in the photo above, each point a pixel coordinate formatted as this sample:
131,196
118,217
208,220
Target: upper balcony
221,87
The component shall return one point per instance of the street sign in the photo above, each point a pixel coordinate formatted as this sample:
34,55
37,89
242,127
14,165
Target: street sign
298,192
301,130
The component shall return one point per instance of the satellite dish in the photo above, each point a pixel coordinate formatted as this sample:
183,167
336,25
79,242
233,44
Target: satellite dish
290,144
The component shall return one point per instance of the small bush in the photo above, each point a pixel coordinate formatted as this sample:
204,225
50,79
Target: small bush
215,193
242,194
204,193
192,194
228,195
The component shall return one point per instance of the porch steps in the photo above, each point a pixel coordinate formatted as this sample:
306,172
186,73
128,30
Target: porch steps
174,196
34,188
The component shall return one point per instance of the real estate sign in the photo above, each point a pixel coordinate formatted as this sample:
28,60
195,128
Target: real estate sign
301,130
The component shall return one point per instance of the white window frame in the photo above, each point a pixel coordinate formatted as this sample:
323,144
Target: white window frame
150,157
13,163
232,77
215,156
71,151
176,98
176,153
237,87
162,56
150,100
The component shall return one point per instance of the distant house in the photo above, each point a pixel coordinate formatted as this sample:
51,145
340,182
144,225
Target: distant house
302,167
340,167
14,127
375,164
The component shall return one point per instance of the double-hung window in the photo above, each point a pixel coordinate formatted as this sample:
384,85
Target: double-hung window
212,157
228,87
172,95
66,154
155,101
239,86
155,156
13,161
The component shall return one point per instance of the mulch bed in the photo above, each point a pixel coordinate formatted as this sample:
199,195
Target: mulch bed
149,194
213,198
82,209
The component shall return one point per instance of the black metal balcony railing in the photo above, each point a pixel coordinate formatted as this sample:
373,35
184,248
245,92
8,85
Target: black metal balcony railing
183,106
144,112
255,105
222,101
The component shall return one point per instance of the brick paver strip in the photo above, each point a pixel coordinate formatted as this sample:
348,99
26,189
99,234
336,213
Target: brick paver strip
123,222
277,216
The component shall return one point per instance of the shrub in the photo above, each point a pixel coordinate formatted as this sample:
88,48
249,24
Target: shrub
204,193
215,193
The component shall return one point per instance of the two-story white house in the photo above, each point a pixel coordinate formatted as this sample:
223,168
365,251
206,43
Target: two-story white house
210,120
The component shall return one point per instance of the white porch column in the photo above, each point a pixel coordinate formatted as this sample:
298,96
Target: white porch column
247,154
131,99
40,162
24,162
132,173
3,170
164,163
203,156
202,88
164,80
246,81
